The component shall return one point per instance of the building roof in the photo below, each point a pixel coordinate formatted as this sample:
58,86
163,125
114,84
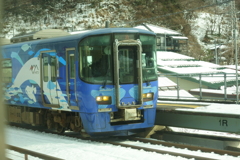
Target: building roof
158,30
179,37
170,56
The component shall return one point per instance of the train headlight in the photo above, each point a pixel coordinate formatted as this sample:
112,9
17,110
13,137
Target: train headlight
148,96
104,100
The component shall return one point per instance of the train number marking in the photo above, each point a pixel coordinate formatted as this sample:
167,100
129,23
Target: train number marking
223,122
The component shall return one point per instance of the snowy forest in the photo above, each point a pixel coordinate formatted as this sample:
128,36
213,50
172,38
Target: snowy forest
204,22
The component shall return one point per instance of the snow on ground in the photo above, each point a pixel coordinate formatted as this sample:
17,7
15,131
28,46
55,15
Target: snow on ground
173,94
230,91
75,149
165,82
168,89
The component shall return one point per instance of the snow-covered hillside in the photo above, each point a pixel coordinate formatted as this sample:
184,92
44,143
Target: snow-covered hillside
205,28
83,16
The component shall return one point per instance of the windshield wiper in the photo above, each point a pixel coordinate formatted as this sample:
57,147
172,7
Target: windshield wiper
106,77
146,77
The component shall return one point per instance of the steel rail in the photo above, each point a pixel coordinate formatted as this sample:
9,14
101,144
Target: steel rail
182,146
157,150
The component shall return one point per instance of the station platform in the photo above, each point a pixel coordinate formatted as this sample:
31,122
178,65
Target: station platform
203,116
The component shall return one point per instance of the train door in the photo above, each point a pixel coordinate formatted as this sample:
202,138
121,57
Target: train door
128,70
49,85
71,77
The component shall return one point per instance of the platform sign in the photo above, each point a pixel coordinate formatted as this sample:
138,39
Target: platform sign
195,120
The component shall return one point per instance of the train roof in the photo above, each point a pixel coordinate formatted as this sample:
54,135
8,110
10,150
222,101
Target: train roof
83,35
113,30
42,34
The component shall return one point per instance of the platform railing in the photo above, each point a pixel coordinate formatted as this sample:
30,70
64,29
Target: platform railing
27,153
204,87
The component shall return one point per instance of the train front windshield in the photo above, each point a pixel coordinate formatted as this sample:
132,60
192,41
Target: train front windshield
97,57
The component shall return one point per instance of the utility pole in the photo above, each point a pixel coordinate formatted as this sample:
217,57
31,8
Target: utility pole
234,29
216,52
2,108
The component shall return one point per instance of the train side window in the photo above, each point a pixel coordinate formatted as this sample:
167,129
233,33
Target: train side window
45,69
72,68
6,70
149,65
126,64
53,69
95,59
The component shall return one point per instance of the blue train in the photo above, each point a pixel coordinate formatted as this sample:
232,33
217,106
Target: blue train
102,82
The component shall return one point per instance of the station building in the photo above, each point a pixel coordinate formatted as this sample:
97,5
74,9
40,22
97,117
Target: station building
167,39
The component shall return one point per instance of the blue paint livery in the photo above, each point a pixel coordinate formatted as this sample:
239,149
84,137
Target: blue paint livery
25,87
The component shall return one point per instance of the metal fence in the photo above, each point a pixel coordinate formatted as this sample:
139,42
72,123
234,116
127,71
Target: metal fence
201,87
25,154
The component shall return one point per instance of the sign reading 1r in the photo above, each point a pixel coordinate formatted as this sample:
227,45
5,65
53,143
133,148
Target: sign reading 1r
223,122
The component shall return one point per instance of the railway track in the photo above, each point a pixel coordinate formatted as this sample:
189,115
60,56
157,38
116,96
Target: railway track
183,146
152,149
152,145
